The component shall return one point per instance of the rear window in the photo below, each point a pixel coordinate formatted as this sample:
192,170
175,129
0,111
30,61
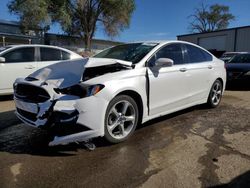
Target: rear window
50,54
197,55
65,55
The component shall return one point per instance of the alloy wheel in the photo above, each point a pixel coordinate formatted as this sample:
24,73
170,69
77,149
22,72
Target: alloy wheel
216,93
121,119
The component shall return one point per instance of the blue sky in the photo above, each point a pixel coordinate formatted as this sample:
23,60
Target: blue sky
160,19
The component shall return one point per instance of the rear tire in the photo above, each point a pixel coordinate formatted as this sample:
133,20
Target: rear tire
121,119
215,94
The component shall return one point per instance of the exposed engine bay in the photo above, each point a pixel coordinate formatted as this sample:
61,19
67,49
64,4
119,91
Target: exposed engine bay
92,72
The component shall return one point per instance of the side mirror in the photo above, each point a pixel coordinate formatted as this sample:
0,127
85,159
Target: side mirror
2,59
164,62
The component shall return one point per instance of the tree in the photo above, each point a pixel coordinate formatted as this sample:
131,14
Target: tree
33,14
79,17
84,16
206,19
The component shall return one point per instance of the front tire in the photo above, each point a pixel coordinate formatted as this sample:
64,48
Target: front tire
215,94
121,119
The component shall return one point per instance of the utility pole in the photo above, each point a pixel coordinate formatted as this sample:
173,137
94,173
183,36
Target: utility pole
3,40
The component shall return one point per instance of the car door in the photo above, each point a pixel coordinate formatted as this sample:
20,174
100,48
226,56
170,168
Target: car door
19,62
168,89
50,56
200,72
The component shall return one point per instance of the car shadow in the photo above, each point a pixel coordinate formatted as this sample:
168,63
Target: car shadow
238,85
172,115
21,139
17,138
8,119
242,180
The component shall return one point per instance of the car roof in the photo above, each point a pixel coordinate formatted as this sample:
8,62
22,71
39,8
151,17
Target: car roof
9,47
38,45
236,53
33,45
162,41
247,53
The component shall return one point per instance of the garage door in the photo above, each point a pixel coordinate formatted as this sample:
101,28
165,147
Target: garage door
216,42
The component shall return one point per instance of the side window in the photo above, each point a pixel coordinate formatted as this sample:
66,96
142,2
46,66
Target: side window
50,54
197,55
65,55
171,51
20,55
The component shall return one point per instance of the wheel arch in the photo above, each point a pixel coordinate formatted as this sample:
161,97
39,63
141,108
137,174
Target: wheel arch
221,80
138,99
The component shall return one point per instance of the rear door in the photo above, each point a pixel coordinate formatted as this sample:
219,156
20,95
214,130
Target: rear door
200,70
19,62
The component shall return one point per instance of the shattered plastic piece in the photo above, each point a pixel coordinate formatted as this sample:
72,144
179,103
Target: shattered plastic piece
88,145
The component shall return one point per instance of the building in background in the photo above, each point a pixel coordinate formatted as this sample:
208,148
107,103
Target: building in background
12,33
76,44
227,40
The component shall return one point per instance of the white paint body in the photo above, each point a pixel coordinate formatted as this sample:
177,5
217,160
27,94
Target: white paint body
9,71
171,90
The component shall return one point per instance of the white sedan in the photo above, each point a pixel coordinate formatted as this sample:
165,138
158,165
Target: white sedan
21,60
110,94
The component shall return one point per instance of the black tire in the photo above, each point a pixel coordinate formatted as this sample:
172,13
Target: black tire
215,94
114,103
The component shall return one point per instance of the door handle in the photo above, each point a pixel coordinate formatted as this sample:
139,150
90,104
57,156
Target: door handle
183,69
29,67
210,67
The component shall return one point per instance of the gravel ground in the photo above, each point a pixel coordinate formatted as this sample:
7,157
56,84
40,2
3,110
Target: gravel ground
197,147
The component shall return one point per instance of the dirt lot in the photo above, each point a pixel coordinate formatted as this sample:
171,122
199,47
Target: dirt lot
197,147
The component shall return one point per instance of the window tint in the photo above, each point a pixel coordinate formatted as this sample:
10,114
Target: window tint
197,55
50,54
171,51
242,58
20,55
133,52
3,48
65,55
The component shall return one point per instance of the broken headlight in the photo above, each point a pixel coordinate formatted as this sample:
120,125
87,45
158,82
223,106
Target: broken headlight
80,90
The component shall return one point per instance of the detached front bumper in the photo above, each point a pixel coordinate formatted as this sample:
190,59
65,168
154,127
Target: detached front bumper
68,118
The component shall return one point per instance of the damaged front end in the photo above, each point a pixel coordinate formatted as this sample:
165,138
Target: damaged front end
56,98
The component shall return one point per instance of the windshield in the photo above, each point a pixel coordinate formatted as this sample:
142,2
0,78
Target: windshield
243,58
133,52
3,48
228,55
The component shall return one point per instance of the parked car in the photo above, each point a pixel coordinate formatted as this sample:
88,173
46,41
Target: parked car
229,55
110,94
239,67
21,60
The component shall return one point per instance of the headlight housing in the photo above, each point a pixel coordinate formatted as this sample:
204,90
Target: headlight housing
80,90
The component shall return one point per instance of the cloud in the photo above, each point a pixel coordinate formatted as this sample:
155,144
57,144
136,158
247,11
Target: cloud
156,34
160,34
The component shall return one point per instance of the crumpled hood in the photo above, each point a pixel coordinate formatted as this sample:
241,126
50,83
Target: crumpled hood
68,73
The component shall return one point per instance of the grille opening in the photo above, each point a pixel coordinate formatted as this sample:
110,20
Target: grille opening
31,93
27,115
